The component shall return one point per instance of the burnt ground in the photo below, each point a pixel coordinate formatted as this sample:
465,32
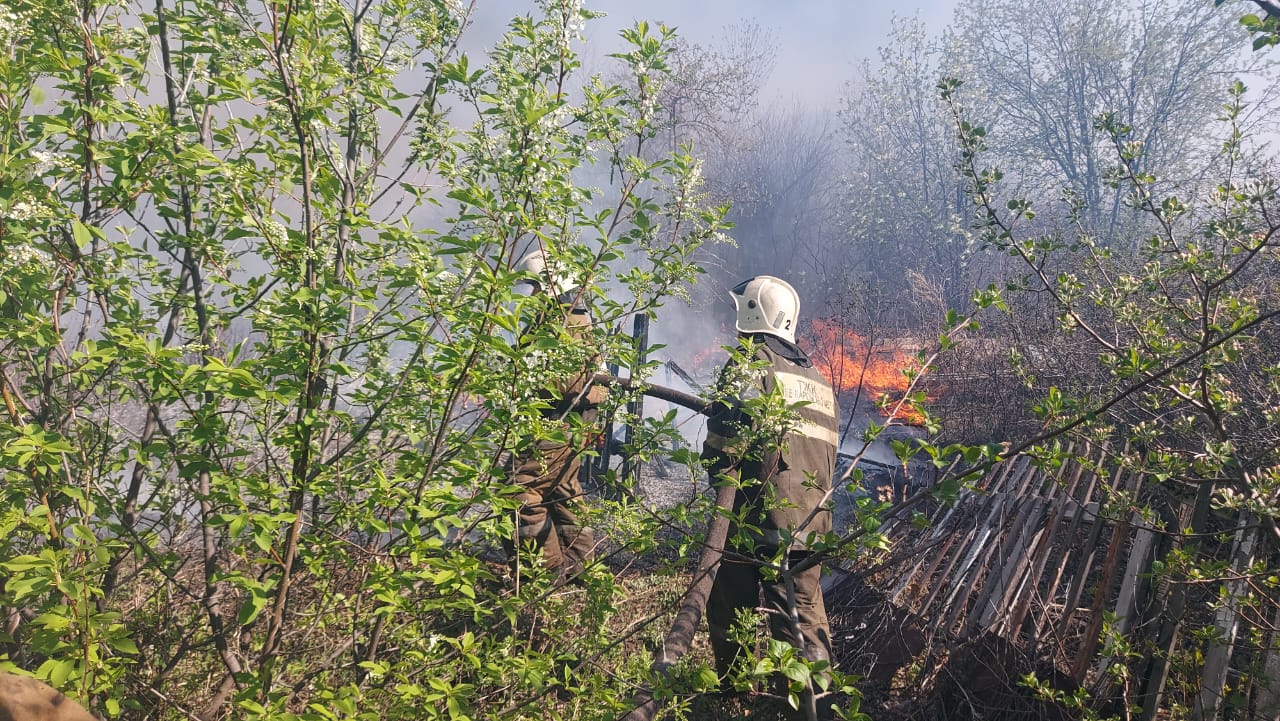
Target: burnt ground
908,676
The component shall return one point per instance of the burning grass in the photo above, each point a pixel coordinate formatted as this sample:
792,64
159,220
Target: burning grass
864,368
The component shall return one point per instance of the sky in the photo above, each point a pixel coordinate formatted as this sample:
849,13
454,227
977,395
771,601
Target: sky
820,43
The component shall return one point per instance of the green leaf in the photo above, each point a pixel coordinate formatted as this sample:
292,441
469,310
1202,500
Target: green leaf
123,644
252,608
56,671
80,233
796,670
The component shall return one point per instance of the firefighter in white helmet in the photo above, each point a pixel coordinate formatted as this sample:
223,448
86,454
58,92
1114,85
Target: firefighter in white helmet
548,276
547,471
784,472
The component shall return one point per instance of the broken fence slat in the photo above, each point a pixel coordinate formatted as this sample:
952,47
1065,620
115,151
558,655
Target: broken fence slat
1031,555
992,528
1134,570
1059,496
972,568
924,575
943,581
1102,592
1077,585
1015,564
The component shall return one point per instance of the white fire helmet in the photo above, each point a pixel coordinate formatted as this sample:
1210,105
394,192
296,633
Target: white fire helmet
535,262
767,305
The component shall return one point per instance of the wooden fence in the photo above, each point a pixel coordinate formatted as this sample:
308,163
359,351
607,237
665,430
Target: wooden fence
1042,556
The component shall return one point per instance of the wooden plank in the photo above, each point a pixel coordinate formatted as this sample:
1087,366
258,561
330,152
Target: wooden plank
1157,677
1227,623
901,523
1004,561
1064,559
998,479
1023,591
982,503
1014,565
1060,496
1134,573
1031,472
974,565
997,537
1102,590
941,583
1081,577
924,575
939,528
1027,576
1268,703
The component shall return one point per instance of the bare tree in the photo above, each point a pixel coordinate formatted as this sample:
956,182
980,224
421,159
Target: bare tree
1046,73
713,88
906,208
783,176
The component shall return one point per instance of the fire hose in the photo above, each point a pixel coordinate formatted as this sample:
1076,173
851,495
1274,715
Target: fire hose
662,393
678,640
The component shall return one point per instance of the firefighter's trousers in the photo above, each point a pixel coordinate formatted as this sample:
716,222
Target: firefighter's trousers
740,585
552,500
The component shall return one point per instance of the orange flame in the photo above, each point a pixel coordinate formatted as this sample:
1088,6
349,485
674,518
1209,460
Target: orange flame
850,363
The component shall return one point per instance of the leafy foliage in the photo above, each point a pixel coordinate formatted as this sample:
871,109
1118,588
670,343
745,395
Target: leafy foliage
1266,27
1181,333
264,355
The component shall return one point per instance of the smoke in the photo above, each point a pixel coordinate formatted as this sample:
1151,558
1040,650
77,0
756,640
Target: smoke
817,48
688,342
818,41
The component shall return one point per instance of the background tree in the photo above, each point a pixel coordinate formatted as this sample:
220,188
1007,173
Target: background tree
712,88
1037,80
906,211
783,176
1046,74
1183,384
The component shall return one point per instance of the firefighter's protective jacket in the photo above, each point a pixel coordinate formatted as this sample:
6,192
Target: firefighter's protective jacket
547,471
25,699
577,393
785,469
574,392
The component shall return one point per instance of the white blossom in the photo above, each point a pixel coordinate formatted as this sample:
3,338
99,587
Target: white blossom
45,161
22,210
275,232
25,258
12,25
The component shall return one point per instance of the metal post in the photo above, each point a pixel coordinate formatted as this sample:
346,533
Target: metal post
635,409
